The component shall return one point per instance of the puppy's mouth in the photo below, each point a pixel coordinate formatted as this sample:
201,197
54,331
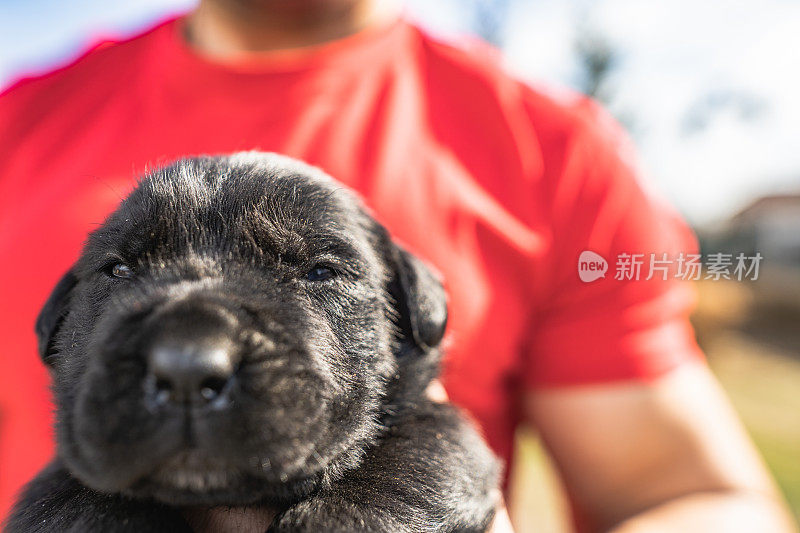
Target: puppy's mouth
195,471
197,478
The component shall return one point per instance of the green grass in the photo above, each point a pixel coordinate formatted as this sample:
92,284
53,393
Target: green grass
765,389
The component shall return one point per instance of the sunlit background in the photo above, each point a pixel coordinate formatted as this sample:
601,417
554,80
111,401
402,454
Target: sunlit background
710,93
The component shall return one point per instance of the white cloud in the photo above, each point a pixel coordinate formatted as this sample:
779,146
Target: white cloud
673,55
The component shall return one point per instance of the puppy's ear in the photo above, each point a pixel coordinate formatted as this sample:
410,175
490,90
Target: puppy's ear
421,300
52,315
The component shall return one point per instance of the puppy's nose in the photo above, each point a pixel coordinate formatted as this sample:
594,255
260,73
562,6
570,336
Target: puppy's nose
195,372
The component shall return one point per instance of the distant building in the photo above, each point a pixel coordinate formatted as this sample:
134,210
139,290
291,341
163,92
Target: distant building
769,226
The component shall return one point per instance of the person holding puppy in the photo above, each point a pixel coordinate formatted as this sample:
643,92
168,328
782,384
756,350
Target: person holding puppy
499,185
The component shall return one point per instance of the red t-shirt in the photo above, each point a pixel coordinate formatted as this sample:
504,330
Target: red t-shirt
499,186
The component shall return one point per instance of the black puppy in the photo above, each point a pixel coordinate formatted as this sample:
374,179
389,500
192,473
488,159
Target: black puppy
240,332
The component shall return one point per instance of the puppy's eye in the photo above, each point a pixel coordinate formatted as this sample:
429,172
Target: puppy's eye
320,273
120,270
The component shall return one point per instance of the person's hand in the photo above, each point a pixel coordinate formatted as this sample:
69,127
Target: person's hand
501,523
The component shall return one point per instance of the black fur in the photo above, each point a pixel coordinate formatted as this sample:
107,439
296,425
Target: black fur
325,418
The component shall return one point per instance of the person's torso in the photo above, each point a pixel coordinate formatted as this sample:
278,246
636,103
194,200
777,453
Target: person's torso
437,152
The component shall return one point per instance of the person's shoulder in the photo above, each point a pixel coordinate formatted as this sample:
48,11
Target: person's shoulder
91,71
475,77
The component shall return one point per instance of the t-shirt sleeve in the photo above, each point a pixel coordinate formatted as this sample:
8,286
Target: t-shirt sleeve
622,326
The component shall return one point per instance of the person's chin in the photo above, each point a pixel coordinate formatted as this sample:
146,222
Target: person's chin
293,5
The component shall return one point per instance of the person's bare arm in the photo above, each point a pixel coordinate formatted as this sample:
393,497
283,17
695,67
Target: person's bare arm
665,456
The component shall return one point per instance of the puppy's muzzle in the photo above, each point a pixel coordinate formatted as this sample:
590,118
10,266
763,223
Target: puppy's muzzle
192,355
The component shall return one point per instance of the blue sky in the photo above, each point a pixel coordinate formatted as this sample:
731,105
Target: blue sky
711,89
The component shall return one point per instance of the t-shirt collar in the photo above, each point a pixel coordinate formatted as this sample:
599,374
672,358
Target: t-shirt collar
352,52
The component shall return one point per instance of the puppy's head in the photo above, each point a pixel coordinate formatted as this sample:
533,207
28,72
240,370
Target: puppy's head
232,333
